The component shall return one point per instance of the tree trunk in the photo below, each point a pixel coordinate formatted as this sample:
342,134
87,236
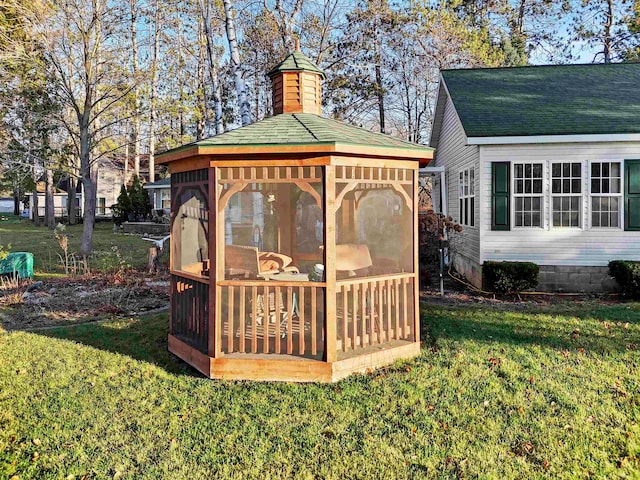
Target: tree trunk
72,211
35,207
136,94
16,201
379,89
608,37
89,179
154,93
90,185
216,95
49,212
201,103
241,86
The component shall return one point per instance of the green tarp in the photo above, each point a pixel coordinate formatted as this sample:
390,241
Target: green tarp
18,263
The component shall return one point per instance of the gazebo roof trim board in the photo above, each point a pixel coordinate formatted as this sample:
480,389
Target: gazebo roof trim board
294,132
233,152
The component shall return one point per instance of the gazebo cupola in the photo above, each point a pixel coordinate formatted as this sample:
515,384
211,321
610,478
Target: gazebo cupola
297,85
294,243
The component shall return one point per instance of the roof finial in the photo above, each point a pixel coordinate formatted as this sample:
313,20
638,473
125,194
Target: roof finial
297,44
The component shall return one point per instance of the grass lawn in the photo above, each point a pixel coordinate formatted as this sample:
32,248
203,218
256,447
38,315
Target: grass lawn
109,249
518,392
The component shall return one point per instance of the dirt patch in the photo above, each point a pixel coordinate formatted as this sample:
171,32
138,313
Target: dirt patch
64,301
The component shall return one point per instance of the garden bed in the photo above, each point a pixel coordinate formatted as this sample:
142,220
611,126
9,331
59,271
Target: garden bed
72,300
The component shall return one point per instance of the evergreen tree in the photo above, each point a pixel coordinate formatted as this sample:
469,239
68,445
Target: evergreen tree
122,208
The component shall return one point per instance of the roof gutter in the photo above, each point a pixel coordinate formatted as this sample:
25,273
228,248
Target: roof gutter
532,139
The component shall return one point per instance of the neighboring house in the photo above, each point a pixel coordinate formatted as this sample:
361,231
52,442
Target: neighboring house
6,205
111,176
160,193
543,165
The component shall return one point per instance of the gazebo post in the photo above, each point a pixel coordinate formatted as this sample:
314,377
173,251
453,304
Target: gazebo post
330,352
416,260
214,347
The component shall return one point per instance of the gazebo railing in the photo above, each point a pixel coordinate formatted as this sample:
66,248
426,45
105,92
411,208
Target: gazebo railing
190,311
273,318
374,311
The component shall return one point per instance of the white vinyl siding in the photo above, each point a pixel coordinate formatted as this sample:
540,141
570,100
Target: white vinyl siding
456,156
587,245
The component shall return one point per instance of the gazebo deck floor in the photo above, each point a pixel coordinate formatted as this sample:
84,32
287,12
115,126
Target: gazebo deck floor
290,368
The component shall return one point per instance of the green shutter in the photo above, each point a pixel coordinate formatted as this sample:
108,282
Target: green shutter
500,183
632,194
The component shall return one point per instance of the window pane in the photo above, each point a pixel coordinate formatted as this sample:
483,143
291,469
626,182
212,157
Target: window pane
605,185
535,219
573,218
595,219
518,173
519,186
615,169
605,169
575,186
595,186
565,203
519,204
575,202
566,186
595,204
555,186
595,169
575,169
556,203
614,204
556,219
614,185
613,218
527,170
537,186
472,212
537,170
555,170
535,203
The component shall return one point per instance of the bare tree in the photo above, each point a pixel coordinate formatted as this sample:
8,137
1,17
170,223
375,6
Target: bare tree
82,42
241,86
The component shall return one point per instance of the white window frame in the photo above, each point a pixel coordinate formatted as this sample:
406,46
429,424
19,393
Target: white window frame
580,196
467,196
619,195
542,195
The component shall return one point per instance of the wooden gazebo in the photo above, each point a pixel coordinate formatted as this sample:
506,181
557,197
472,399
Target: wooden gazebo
294,249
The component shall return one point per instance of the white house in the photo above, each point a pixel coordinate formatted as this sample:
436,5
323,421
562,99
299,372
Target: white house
160,193
543,165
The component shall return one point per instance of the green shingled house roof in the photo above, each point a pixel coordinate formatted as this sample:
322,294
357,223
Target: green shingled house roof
301,129
296,62
546,100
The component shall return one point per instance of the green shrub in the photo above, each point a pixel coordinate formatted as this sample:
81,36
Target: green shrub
121,210
627,274
510,277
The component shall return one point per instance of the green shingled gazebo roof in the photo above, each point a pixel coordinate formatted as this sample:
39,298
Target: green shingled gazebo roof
296,62
301,129
547,100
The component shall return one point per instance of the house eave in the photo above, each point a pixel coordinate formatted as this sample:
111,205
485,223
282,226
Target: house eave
320,148
537,139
